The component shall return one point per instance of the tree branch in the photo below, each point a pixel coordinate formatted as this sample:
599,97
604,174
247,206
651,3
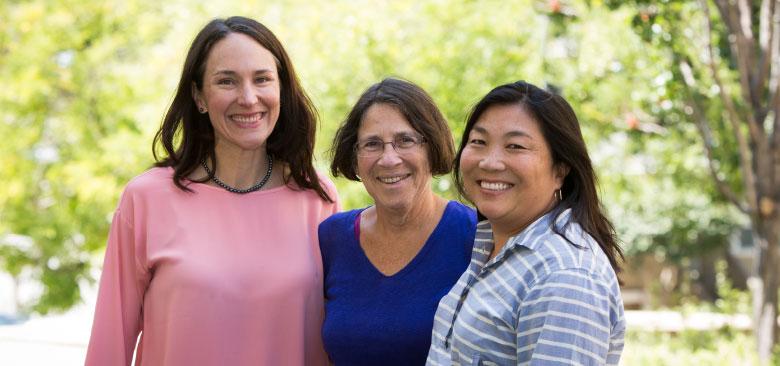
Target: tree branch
774,63
709,146
757,134
765,39
774,77
739,23
723,187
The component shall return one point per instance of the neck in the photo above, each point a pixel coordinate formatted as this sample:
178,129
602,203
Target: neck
393,220
503,231
240,168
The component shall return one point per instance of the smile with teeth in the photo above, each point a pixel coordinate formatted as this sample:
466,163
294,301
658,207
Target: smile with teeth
393,179
494,186
242,118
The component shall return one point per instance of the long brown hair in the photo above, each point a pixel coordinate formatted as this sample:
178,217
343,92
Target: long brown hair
561,130
187,137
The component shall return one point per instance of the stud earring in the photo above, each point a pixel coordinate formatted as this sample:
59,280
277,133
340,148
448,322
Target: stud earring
202,110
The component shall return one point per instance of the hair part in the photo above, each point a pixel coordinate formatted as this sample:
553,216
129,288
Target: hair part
187,136
417,107
561,130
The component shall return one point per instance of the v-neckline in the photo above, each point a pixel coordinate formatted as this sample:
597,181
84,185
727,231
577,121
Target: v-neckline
413,262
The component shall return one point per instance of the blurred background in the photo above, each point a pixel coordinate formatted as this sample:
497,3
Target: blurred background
676,133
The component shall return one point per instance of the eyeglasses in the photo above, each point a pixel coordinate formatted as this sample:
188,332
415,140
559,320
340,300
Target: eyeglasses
403,144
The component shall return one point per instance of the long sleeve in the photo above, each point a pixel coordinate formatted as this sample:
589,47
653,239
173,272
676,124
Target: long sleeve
566,319
118,318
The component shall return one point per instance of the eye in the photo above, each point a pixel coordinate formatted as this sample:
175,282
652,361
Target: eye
370,145
476,141
515,147
225,82
262,79
405,141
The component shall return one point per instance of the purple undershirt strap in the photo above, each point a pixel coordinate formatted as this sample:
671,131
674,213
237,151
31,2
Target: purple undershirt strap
357,226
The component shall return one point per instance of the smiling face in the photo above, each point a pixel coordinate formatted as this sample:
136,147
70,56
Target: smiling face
240,92
507,169
394,181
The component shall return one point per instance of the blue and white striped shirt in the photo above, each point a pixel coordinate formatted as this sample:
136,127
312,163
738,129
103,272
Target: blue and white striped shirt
541,300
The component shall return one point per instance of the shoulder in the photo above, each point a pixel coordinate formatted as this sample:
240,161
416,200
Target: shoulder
326,183
150,184
340,219
562,245
335,230
151,179
573,257
459,218
462,213
309,197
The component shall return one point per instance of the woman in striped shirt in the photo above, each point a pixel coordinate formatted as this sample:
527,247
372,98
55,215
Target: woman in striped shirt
541,287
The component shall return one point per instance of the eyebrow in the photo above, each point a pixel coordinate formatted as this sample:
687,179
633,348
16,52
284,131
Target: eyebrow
231,72
513,133
395,135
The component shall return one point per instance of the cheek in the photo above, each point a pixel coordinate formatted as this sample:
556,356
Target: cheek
468,162
362,166
273,94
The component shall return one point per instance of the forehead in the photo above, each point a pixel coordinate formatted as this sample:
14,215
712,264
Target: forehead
382,119
239,52
503,119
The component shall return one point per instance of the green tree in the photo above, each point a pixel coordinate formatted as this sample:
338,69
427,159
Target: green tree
69,110
79,118
726,74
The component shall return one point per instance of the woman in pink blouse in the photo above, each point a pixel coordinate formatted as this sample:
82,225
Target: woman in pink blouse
213,256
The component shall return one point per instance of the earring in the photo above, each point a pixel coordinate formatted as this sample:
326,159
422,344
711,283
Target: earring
558,194
202,110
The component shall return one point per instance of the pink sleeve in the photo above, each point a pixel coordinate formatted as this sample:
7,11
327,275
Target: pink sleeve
118,318
330,187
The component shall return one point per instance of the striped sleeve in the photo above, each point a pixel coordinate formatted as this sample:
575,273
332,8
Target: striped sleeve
565,319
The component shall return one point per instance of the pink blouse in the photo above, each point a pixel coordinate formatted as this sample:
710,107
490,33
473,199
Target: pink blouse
211,277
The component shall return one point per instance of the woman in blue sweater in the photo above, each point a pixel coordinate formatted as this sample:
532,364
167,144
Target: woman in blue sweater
387,266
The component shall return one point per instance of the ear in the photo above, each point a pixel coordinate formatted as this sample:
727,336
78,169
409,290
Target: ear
197,97
560,171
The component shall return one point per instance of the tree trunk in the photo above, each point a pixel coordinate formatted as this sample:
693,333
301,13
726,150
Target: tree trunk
765,304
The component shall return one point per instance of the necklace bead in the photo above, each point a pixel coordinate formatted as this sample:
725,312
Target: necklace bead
253,188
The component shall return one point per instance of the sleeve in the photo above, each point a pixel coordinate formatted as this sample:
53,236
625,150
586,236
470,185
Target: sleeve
565,319
118,314
330,188
323,237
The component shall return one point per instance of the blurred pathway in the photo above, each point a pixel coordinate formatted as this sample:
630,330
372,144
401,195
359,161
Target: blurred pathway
62,339
45,341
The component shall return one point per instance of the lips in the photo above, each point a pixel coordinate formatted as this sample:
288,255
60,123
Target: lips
495,186
247,119
393,179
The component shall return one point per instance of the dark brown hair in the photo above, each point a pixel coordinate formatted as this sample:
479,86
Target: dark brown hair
187,136
561,130
416,106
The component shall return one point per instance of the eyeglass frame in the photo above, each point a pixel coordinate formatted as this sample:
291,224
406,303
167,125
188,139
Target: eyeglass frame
418,141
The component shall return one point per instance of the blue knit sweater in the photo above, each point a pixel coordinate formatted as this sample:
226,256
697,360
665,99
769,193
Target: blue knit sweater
373,319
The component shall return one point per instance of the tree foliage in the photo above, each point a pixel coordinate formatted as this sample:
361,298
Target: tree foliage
726,78
87,83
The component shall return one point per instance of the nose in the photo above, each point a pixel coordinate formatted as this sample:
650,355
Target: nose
389,157
492,161
247,96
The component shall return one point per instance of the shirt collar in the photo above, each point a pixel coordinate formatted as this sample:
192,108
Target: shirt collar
536,229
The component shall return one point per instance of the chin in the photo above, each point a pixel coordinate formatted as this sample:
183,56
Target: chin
491,213
393,204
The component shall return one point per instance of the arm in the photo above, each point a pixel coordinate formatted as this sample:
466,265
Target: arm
118,312
565,319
